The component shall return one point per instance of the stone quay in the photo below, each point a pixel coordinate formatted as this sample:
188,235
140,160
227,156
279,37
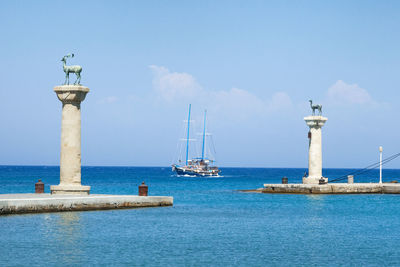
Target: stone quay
39,203
333,188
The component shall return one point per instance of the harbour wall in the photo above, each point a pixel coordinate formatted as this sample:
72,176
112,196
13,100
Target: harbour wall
37,203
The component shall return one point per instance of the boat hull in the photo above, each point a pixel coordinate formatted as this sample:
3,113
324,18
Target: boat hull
195,172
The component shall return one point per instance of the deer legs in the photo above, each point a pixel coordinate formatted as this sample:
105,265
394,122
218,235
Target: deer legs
66,78
77,81
319,110
78,78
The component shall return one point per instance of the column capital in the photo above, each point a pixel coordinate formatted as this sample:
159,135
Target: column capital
71,93
315,121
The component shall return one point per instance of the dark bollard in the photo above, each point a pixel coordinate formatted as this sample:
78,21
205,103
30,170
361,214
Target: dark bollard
322,181
143,190
284,180
39,187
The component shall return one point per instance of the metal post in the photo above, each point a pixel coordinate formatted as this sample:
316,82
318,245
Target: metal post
187,140
380,164
204,135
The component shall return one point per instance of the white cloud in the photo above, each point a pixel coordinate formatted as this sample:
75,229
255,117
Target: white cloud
234,103
344,93
236,98
173,85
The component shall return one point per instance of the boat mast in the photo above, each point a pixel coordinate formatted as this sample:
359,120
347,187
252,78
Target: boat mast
204,135
187,138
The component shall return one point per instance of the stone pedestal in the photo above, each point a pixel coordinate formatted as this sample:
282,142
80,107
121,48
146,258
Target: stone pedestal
71,97
315,149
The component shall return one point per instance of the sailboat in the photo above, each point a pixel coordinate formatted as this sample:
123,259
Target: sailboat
200,166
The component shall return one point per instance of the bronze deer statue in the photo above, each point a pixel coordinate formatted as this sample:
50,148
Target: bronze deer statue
314,107
71,69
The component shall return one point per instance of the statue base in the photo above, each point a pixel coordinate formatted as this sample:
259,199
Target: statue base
71,92
313,121
63,189
313,180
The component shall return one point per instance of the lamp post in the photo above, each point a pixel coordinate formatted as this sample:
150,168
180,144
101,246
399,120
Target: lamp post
380,164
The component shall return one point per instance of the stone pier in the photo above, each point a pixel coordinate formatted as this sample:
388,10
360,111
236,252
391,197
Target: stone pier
71,97
315,149
38,203
334,188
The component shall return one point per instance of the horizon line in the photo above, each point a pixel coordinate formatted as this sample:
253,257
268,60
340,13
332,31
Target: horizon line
158,166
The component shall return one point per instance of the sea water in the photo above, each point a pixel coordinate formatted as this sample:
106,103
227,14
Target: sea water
211,223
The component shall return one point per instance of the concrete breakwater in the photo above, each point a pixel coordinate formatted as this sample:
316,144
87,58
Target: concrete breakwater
337,188
37,203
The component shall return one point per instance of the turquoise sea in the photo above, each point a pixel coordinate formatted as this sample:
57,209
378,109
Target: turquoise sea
210,224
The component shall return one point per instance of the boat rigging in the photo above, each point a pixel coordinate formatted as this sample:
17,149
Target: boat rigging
199,166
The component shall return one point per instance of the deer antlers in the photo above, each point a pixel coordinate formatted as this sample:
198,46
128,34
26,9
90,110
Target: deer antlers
69,55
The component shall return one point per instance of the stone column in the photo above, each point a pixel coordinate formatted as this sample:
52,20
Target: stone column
315,149
71,97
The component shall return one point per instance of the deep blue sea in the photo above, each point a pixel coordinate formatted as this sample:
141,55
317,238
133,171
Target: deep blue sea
210,224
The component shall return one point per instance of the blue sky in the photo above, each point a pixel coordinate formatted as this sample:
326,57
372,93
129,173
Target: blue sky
252,64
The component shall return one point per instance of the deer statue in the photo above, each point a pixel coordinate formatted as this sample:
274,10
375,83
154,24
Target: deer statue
314,107
71,69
